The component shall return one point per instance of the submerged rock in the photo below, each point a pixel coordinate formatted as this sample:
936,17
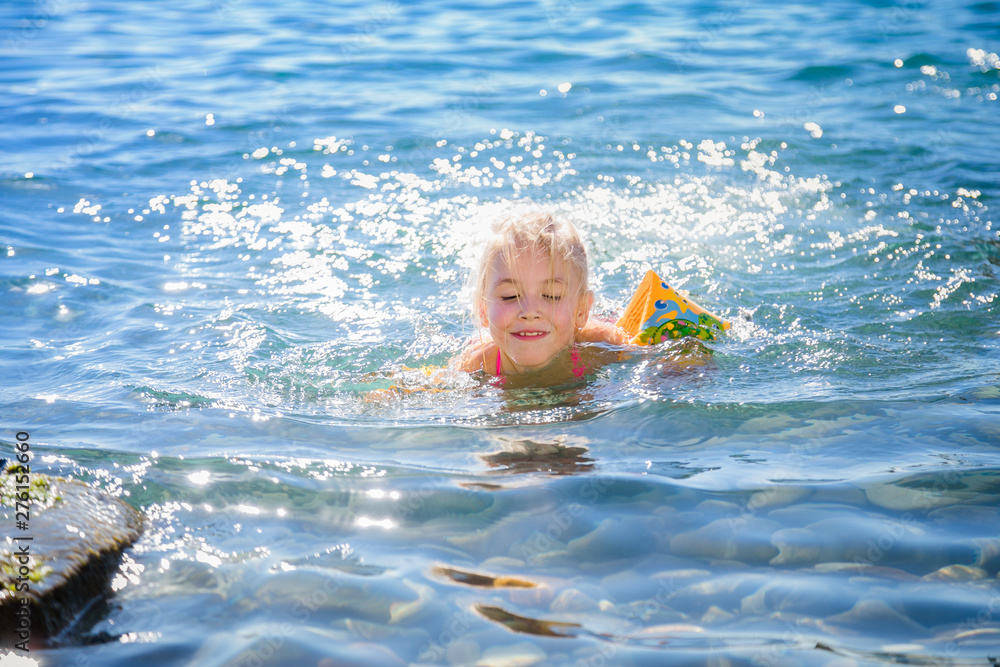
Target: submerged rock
362,653
725,592
801,596
862,569
974,516
747,541
716,615
869,541
872,613
928,491
986,552
776,496
987,638
518,655
612,539
61,556
573,600
956,573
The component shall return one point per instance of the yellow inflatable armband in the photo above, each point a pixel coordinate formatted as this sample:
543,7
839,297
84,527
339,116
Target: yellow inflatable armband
657,312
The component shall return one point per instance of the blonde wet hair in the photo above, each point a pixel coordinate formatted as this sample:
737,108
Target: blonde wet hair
523,234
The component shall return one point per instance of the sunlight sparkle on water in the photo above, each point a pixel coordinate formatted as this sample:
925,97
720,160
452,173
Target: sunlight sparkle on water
201,477
380,494
731,215
368,522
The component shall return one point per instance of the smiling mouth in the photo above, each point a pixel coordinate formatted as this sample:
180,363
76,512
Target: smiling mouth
530,334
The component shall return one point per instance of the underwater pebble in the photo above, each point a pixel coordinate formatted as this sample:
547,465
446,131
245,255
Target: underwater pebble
956,573
627,585
687,519
866,570
361,655
797,595
715,615
518,655
665,511
841,661
796,545
312,589
927,491
496,538
663,584
446,502
540,595
835,495
988,638
369,631
867,614
548,543
966,514
618,538
725,592
947,604
573,600
718,507
776,423
502,564
850,539
776,496
899,498
552,559
442,528
746,541
463,651
681,575
371,598
187,576
803,514
401,610
988,392
986,552
755,605
647,610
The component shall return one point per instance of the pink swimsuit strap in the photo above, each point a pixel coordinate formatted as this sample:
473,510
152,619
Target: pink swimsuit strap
498,362
579,368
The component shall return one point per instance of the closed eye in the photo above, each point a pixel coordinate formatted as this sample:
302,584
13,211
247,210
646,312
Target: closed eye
552,297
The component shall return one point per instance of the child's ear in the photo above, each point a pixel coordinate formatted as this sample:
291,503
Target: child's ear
583,309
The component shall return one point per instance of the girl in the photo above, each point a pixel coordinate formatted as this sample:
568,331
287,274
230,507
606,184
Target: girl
531,300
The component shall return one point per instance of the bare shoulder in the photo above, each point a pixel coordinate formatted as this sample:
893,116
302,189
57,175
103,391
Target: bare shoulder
474,357
596,331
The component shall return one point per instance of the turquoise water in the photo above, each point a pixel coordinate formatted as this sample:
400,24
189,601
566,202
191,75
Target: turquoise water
224,224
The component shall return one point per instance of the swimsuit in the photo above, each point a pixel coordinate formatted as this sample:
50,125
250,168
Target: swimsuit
579,369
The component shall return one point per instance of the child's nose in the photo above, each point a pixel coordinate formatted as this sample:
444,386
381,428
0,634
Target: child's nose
530,308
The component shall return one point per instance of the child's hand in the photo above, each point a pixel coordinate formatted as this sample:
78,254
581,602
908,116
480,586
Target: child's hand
435,376
596,331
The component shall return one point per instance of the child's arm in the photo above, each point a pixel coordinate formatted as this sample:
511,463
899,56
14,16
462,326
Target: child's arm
475,357
596,331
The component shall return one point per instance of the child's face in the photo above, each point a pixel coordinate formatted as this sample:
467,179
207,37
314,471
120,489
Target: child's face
534,308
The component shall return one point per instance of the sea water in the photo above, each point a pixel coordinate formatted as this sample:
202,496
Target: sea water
227,228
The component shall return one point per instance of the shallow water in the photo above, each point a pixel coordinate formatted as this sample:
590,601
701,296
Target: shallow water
224,224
